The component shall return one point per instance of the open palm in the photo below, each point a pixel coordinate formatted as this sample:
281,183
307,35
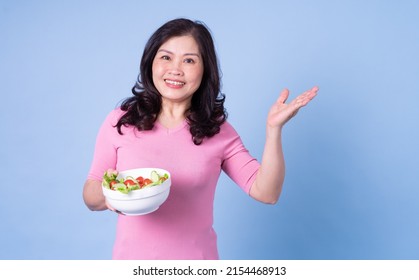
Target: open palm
280,113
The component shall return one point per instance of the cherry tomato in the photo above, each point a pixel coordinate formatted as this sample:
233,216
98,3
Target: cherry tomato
147,182
112,183
140,180
129,182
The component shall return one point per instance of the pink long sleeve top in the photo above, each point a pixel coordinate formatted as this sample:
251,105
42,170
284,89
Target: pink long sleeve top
182,228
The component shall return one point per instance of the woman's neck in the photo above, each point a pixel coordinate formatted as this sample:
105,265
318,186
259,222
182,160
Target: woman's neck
172,116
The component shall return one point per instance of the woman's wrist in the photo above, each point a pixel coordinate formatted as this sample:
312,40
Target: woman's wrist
273,132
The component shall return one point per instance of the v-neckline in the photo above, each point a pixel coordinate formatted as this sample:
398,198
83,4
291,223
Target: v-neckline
171,130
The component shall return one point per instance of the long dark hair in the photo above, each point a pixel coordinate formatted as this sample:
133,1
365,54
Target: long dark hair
206,113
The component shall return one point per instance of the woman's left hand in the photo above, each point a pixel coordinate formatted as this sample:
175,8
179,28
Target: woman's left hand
268,184
280,113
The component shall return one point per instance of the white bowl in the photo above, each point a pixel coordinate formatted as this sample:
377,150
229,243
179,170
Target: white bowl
142,201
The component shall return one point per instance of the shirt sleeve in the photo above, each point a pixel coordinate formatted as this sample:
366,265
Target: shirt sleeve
105,153
238,164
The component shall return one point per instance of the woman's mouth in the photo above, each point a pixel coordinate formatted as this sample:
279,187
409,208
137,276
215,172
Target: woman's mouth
174,83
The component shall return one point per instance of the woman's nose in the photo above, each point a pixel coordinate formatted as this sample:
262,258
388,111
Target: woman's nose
176,68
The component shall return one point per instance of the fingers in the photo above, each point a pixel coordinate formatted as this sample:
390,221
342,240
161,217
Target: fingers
301,99
119,212
310,93
116,211
280,113
283,96
111,172
305,97
113,209
315,89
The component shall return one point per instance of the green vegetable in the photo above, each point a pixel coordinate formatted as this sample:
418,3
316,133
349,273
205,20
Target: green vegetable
154,176
130,183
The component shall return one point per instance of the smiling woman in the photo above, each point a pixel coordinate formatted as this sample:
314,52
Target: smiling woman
177,75
206,111
176,121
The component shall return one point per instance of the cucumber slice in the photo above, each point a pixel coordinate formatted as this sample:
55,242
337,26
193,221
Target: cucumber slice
121,187
154,176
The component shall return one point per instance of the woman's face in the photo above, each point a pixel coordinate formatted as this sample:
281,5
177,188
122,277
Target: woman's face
178,69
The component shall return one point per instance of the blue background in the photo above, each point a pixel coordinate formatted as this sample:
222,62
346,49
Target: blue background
351,189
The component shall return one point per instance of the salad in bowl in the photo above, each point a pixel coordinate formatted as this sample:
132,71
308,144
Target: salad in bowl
136,191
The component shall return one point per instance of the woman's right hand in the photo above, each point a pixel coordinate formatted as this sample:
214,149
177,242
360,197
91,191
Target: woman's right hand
109,173
93,195
113,209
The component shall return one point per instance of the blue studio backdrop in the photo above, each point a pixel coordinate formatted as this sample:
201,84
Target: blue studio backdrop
352,184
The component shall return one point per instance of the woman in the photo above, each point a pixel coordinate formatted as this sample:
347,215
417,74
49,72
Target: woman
176,120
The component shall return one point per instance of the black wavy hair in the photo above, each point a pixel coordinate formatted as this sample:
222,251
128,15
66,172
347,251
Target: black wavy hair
206,113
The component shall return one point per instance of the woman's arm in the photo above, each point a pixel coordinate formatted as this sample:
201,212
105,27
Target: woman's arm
93,195
267,186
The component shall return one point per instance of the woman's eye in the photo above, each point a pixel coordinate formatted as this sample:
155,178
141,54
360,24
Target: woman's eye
189,60
165,57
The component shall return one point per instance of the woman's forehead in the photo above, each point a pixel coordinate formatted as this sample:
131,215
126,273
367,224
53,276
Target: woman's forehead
181,44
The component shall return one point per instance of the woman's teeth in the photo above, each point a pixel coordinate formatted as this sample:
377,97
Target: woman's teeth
175,83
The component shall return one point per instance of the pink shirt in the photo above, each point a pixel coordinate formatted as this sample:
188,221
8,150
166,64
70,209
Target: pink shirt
182,228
